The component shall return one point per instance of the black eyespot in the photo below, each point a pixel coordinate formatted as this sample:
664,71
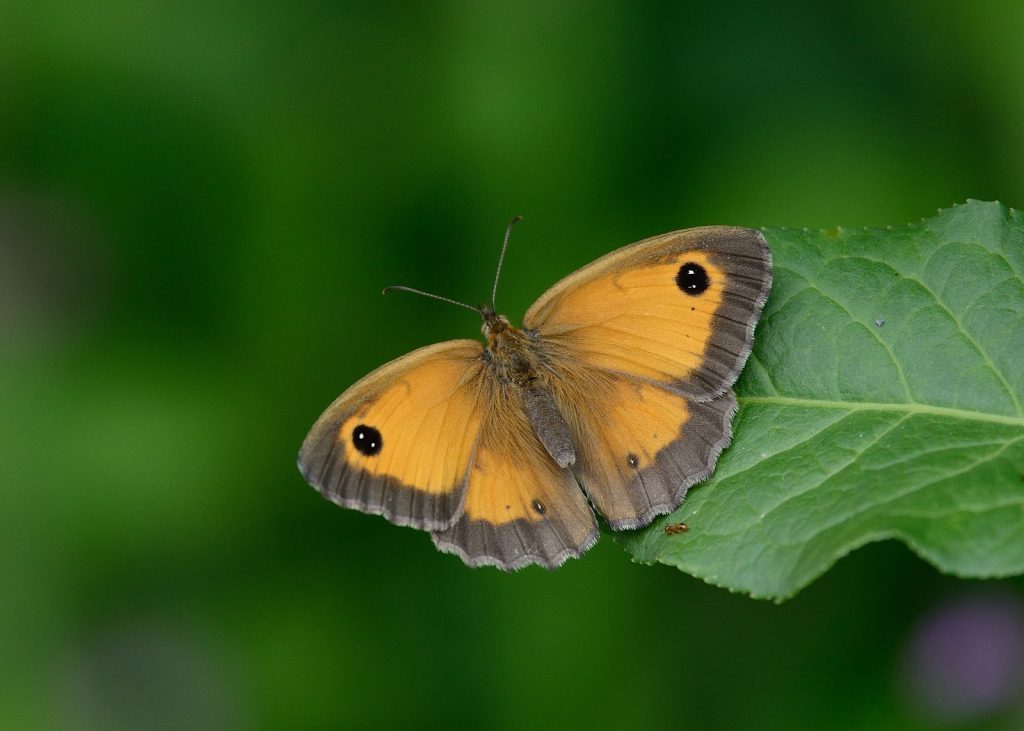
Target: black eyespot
366,440
539,506
632,460
692,279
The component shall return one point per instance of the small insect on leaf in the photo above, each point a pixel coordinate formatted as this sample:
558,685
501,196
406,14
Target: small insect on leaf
673,529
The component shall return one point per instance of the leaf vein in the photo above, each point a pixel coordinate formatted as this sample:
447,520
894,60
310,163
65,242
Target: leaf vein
912,407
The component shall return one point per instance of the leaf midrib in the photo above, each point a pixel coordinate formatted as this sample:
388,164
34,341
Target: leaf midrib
903,408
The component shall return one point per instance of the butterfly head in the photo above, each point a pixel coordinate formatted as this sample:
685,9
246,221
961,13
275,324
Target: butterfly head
494,324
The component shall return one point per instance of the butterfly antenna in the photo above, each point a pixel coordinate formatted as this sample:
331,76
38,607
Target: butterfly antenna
501,260
401,288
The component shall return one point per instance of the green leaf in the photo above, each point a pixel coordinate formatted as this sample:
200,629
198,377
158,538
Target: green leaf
884,399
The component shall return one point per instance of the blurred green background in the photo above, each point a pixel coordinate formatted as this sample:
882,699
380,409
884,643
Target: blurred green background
199,205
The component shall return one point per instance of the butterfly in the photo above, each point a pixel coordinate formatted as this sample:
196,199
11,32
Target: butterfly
614,395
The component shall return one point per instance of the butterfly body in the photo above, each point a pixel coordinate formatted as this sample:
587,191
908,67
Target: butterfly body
517,361
615,392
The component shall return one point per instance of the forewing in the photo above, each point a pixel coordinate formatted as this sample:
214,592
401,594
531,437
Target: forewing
677,309
400,441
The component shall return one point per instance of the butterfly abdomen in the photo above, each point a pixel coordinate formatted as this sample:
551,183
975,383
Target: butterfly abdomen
549,425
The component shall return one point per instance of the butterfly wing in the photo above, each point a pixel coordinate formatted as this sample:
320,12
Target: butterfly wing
399,443
641,446
677,309
434,441
643,345
520,507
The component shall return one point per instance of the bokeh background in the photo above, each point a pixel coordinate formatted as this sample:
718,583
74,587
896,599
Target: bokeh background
199,205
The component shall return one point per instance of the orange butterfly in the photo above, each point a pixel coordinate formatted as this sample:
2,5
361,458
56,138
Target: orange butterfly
618,383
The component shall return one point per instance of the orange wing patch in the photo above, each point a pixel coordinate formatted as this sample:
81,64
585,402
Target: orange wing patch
420,430
640,322
400,441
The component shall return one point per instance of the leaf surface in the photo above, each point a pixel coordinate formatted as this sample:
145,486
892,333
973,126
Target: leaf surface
884,399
